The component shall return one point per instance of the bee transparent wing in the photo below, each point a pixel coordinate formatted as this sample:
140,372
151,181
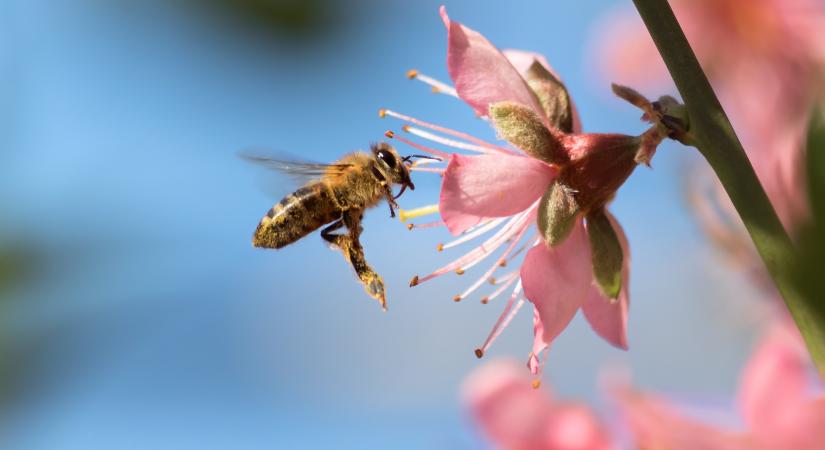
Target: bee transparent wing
296,167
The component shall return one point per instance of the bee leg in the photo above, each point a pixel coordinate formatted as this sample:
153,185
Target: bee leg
350,245
390,200
327,233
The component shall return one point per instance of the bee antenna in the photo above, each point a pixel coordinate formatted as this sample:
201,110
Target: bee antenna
407,158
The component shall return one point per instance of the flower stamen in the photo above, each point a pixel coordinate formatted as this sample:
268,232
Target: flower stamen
505,318
474,234
452,143
405,214
438,86
439,153
458,134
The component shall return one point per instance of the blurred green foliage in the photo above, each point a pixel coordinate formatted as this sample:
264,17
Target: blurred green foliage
304,19
811,266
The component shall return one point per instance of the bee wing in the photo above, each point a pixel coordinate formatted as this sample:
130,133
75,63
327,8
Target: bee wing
296,167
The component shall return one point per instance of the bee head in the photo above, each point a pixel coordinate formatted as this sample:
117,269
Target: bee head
391,166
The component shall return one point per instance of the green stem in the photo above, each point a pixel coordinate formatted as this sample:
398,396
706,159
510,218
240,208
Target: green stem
717,141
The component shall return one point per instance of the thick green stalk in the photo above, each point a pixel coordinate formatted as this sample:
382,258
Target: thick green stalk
717,141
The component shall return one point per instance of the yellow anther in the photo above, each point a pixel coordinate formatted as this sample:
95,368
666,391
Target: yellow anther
412,73
389,134
382,113
459,271
405,214
439,247
414,281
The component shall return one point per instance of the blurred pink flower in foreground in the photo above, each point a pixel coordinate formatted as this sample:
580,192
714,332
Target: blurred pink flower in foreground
765,61
561,178
776,400
513,415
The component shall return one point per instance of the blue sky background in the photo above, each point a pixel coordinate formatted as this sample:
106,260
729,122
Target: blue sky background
150,322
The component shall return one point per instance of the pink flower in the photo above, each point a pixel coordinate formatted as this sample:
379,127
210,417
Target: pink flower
775,398
513,415
765,61
559,177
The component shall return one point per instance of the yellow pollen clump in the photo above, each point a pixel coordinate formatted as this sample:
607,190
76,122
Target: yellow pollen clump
439,247
382,113
536,384
459,271
412,73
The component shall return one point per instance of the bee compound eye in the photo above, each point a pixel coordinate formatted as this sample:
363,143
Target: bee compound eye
387,157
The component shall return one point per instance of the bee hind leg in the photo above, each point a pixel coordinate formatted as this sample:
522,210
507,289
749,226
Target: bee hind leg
329,236
350,245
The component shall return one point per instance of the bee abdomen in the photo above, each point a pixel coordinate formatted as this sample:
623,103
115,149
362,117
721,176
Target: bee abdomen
297,215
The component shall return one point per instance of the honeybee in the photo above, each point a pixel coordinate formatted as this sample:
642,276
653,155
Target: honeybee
336,194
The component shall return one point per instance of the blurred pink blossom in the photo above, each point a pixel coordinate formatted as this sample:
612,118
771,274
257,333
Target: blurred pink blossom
513,415
765,60
777,400
500,187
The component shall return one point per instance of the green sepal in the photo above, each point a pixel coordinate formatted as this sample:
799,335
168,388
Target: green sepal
557,213
552,95
606,252
522,127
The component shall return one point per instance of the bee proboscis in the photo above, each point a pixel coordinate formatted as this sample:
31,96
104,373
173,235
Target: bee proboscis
337,194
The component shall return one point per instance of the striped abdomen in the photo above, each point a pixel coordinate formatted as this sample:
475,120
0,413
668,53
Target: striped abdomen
297,215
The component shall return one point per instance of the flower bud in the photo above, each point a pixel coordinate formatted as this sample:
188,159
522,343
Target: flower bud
606,253
557,213
523,128
552,95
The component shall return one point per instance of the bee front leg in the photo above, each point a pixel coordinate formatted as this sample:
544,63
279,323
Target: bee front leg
390,200
350,245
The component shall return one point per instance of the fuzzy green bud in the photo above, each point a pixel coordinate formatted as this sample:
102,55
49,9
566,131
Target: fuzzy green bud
552,95
606,252
522,127
557,213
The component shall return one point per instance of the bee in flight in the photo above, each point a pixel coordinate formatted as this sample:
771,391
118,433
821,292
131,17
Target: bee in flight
336,194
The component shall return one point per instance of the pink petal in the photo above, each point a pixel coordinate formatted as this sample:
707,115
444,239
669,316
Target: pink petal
624,52
655,424
522,60
573,426
480,186
504,405
609,319
774,393
481,73
557,281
